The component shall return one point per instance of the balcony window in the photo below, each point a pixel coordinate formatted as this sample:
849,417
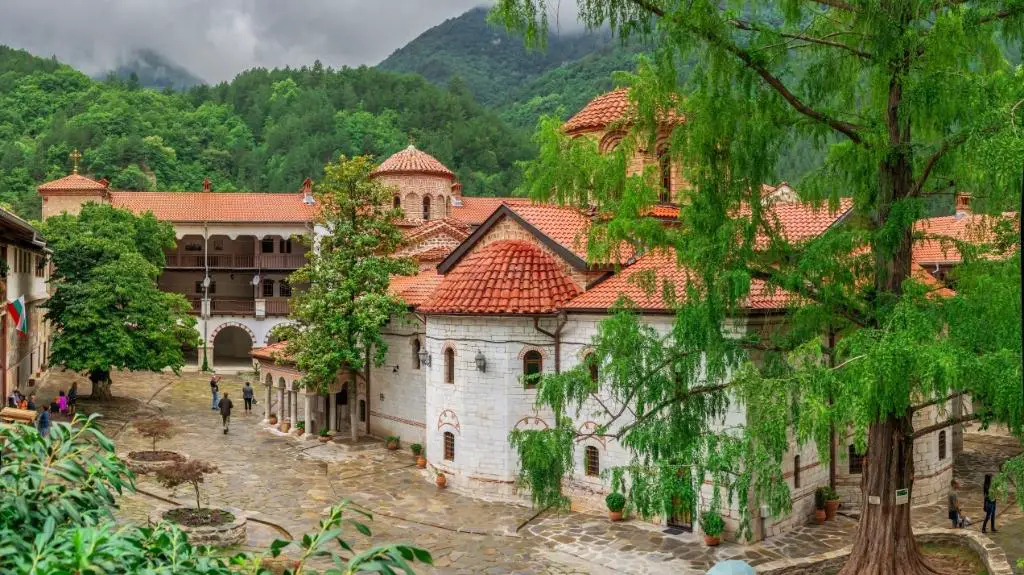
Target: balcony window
267,245
286,246
268,288
284,288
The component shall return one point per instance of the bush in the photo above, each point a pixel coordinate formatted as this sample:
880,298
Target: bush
394,439
712,523
154,428
615,501
830,494
324,432
416,448
819,498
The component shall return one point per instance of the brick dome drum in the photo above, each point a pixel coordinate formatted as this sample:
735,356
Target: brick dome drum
413,161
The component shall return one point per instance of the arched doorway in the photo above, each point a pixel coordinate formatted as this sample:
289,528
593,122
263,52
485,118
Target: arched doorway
231,347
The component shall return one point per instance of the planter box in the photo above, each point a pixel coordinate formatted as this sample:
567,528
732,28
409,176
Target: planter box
226,535
143,467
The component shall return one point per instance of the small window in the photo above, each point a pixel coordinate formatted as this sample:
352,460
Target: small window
362,410
199,287
449,365
856,462
268,288
284,288
533,365
213,288
942,445
426,207
592,461
416,353
449,446
267,245
591,361
665,171
286,246
796,471
396,202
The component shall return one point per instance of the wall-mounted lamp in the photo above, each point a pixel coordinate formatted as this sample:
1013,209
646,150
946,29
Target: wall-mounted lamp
481,361
424,357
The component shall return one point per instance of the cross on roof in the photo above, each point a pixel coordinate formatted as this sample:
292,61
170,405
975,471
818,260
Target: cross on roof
75,155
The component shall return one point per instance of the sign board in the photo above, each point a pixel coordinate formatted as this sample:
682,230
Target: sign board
874,500
902,496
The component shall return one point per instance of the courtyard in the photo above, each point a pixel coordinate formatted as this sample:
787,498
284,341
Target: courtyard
287,484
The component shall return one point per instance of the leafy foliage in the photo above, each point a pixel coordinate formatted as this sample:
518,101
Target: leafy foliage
154,428
615,501
56,498
339,314
907,97
106,308
711,523
191,472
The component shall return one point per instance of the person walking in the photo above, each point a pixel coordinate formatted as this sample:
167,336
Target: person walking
214,392
953,504
43,423
990,505
225,411
72,399
247,393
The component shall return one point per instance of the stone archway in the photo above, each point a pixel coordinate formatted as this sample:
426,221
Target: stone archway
232,343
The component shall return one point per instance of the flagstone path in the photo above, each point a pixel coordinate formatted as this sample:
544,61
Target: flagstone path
289,483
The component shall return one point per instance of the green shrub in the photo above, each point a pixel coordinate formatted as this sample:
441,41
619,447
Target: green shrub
819,498
615,501
712,523
416,448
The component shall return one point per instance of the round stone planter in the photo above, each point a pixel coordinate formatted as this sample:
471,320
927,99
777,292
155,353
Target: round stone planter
143,466
225,535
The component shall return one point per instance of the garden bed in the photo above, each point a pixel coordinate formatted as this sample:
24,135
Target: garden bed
191,517
148,461
220,527
152,456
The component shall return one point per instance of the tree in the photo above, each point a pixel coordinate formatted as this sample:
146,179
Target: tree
154,428
191,472
908,97
338,316
106,309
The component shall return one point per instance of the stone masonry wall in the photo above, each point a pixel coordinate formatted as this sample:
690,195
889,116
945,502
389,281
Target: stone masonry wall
412,187
56,204
397,398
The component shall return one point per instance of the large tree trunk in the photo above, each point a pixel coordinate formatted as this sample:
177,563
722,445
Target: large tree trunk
353,397
100,385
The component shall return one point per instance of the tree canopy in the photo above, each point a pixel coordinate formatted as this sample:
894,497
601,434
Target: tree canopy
910,100
106,309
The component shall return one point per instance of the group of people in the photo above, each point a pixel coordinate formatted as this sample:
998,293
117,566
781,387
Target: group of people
65,404
956,514
224,405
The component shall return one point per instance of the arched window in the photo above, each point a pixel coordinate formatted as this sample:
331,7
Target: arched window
591,361
533,364
942,445
426,207
856,461
396,202
362,410
449,365
665,171
592,461
416,354
796,471
449,446
284,289
268,288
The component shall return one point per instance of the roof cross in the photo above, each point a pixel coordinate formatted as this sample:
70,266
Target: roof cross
75,155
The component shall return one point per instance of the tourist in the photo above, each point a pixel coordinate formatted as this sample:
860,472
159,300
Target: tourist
31,402
72,399
990,504
62,402
214,391
225,410
12,399
953,501
23,403
43,424
247,397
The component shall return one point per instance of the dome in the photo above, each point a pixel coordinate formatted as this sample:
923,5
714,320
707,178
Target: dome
413,161
505,277
604,110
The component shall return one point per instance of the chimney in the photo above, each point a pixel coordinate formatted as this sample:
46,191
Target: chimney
457,189
104,182
963,205
307,192
206,184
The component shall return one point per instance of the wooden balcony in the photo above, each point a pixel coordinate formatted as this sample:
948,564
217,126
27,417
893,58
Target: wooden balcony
224,306
277,306
273,306
282,261
225,261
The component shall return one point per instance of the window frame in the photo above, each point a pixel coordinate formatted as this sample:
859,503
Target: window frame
665,174
796,471
449,365
284,289
943,445
427,207
268,283
856,461
416,347
448,440
591,461
532,359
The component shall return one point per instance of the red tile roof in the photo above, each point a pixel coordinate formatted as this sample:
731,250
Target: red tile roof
217,206
435,254
412,161
936,235
475,211
566,226
602,111
415,289
505,277
272,352
799,221
453,227
72,183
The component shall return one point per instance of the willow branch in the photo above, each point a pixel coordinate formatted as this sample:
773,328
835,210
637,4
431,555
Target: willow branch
823,41
942,425
667,402
920,406
949,144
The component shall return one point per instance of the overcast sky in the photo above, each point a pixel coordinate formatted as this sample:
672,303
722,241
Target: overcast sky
216,39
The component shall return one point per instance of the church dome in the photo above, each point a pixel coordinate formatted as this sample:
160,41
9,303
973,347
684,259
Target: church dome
412,161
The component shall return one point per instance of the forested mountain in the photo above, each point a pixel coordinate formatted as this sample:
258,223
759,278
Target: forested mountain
154,70
265,131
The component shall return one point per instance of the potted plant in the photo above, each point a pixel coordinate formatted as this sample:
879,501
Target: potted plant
713,525
325,435
616,502
301,426
831,503
285,426
819,505
273,419
394,442
417,450
440,480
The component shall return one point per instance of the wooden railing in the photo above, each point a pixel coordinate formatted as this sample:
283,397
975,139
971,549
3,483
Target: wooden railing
282,261
277,306
197,303
236,261
219,306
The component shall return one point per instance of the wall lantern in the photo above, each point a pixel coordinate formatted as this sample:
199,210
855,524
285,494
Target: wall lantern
481,361
424,357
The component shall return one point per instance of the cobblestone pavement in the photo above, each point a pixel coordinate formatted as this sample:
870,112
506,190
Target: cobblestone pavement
291,482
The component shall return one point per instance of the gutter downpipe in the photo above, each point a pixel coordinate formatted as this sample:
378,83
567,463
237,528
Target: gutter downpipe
556,335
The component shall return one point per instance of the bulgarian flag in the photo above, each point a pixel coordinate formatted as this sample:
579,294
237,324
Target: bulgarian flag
16,310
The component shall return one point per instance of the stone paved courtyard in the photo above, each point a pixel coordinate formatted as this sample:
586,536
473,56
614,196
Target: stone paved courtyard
290,483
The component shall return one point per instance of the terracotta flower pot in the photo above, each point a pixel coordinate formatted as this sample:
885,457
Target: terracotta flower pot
441,481
830,509
393,445
285,426
819,516
615,516
325,438
712,540
273,420
421,462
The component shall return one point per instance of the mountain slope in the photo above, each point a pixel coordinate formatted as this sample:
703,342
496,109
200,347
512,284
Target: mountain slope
153,70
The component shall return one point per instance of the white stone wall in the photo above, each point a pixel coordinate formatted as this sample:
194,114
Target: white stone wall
397,403
26,354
